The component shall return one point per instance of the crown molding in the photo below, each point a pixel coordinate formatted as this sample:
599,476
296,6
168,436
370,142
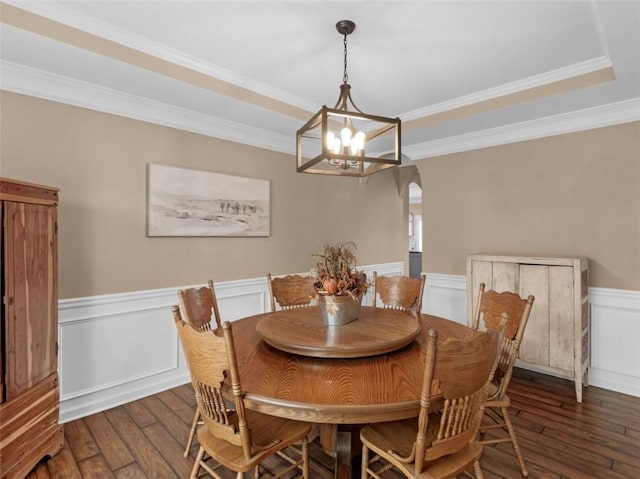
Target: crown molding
597,117
536,81
33,82
38,83
79,21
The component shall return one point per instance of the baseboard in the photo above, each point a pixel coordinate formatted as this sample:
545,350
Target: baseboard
93,402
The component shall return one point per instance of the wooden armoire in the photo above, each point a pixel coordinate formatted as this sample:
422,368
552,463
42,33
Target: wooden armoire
29,388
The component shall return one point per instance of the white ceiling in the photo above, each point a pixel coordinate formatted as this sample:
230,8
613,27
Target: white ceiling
460,74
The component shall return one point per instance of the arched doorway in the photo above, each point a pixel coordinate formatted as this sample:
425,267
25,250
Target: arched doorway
410,188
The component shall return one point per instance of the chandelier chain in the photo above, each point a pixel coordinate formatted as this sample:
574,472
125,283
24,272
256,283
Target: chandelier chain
345,77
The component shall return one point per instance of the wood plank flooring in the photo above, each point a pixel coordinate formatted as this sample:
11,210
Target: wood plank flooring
560,439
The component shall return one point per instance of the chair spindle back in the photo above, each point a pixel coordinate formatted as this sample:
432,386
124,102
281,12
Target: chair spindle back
398,292
462,370
211,356
292,291
490,307
199,306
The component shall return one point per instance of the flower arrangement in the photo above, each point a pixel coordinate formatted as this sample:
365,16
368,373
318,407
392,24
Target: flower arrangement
335,272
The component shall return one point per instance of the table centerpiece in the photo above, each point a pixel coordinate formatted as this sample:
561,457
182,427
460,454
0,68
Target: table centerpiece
340,286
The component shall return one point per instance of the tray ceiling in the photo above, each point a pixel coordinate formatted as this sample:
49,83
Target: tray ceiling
460,74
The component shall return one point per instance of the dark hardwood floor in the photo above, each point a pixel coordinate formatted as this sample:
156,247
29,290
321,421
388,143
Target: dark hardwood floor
598,439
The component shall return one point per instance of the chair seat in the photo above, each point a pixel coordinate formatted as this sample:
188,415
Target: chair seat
496,402
399,436
264,430
396,435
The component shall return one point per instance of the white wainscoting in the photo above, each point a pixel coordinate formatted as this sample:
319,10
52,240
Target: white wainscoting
615,335
445,295
614,320
121,347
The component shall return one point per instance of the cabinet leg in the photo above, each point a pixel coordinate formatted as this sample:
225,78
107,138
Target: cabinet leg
578,381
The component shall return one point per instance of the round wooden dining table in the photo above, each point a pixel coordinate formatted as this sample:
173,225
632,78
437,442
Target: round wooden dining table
339,393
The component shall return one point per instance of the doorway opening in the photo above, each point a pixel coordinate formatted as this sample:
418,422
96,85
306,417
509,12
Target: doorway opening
415,230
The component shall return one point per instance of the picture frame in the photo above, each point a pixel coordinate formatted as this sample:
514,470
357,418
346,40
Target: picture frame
190,202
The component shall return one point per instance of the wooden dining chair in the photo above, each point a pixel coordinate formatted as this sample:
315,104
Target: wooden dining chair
238,439
291,291
398,292
490,308
199,306
200,309
440,444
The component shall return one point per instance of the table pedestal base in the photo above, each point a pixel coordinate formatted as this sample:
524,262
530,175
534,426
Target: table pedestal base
342,441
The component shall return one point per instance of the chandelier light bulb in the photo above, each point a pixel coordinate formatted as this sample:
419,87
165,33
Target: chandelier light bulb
330,139
336,147
346,134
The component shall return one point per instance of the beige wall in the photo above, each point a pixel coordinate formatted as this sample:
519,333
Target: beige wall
99,163
574,194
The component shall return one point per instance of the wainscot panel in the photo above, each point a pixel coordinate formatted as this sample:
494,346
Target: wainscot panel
445,295
615,332
121,347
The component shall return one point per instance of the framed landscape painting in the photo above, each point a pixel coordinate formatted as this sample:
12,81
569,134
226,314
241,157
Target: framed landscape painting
186,202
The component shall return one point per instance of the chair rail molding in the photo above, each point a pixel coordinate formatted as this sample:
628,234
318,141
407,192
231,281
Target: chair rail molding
118,348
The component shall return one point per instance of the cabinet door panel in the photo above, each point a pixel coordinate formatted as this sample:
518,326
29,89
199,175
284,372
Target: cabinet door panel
534,279
481,272
505,277
561,317
31,289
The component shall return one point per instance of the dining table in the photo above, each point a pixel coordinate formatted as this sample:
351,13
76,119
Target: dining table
341,377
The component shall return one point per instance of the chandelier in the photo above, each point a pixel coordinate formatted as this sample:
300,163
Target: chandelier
343,140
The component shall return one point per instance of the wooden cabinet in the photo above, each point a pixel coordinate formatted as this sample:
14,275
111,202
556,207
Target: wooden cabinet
29,390
557,336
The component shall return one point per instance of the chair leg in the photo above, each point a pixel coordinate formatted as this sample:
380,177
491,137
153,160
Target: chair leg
192,432
478,470
196,464
305,458
514,441
365,461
